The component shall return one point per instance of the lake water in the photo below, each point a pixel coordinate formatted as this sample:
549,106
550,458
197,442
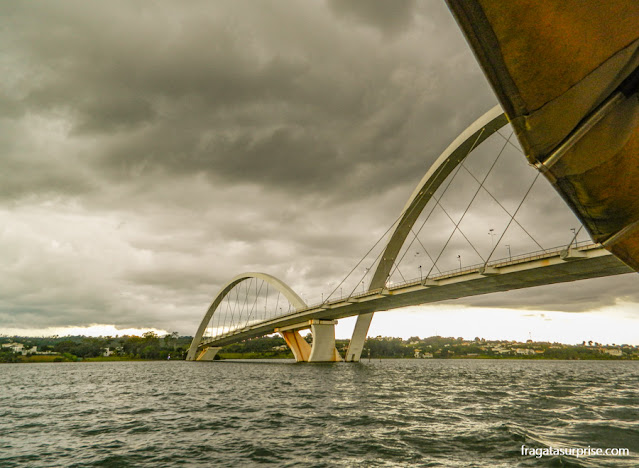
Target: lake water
378,413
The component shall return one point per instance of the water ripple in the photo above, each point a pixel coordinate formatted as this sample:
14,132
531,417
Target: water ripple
375,414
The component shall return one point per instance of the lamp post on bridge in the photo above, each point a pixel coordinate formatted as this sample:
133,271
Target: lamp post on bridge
510,257
365,273
574,236
330,288
459,258
491,233
420,272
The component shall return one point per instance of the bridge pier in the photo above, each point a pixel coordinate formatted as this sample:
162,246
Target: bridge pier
301,349
323,348
360,332
207,354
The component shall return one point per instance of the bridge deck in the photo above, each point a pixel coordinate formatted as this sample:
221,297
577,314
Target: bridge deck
541,268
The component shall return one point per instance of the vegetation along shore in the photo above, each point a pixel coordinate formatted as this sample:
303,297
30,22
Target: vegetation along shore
150,346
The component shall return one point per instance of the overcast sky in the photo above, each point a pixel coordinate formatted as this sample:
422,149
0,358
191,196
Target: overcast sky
150,151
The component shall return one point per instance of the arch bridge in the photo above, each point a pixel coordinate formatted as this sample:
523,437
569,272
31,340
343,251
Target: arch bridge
256,304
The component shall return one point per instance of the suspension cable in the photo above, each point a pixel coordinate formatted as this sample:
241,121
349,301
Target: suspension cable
511,143
257,294
450,181
466,211
375,260
512,218
400,273
402,214
575,236
265,302
425,250
458,228
361,260
505,210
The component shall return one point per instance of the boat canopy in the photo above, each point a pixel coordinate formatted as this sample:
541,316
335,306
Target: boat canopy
566,73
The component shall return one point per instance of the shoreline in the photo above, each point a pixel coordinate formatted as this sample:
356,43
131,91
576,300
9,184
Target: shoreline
256,358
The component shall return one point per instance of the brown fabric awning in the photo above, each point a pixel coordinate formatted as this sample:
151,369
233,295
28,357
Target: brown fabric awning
567,73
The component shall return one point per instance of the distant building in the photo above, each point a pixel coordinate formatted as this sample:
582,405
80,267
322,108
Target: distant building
19,348
107,352
613,351
13,346
525,351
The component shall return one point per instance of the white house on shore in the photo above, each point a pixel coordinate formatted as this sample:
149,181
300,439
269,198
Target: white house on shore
19,348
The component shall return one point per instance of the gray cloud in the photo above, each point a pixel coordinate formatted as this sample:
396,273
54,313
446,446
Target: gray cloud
150,152
389,17
201,93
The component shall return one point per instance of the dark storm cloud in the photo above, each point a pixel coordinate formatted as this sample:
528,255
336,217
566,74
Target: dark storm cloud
152,151
389,17
285,157
113,114
199,92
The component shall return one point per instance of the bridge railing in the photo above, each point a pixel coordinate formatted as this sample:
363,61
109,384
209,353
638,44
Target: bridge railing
512,260
535,255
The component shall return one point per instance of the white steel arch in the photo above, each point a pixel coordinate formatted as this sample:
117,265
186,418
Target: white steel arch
279,285
456,152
